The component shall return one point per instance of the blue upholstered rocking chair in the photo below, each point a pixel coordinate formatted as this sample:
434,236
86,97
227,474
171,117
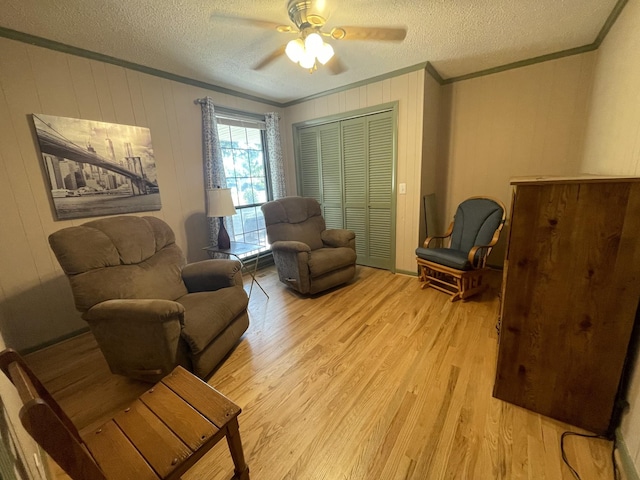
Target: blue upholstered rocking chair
458,269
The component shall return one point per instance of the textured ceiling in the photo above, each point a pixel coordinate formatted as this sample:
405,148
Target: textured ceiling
189,37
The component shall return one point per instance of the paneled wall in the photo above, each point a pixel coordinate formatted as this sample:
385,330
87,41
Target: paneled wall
35,299
612,147
526,121
408,90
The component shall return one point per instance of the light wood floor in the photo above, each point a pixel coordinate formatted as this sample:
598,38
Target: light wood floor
376,380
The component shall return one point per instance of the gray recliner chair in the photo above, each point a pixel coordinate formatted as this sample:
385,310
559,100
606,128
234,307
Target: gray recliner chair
148,310
309,258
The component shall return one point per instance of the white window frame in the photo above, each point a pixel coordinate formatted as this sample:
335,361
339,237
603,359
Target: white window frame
236,227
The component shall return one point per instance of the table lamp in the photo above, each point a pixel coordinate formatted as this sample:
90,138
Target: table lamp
220,204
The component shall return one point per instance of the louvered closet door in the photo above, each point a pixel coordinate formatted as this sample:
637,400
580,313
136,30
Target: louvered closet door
367,145
380,212
348,166
309,163
331,174
355,184
320,165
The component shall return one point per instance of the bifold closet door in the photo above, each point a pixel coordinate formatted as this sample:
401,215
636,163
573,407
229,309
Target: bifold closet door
348,166
331,175
309,163
367,149
320,164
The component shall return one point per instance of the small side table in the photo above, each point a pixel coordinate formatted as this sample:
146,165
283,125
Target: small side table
239,248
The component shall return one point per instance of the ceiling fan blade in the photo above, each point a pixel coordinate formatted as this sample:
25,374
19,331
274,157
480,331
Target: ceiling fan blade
269,58
335,66
369,33
251,22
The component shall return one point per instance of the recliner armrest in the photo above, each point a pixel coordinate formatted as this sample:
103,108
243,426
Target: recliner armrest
140,338
338,237
213,274
290,246
135,310
292,261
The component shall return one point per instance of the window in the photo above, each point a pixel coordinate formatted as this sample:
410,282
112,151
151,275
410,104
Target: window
245,167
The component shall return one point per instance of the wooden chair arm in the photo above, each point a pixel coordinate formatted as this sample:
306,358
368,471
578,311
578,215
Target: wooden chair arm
441,237
481,262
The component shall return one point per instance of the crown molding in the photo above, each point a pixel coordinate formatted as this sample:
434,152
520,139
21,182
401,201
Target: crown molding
81,52
611,19
362,83
609,22
522,63
431,70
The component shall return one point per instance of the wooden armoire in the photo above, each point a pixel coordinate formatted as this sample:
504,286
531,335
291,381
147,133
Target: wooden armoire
570,293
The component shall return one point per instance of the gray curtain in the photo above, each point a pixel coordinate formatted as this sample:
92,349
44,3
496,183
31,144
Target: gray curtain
213,165
274,151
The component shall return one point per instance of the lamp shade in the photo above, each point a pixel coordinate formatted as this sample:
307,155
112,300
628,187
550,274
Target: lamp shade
220,203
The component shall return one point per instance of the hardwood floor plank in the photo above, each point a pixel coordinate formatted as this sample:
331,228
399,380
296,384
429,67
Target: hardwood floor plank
377,380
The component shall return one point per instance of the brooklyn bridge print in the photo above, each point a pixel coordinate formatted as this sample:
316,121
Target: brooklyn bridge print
96,168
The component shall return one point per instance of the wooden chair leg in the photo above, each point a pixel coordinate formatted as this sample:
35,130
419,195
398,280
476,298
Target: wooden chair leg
423,276
235,448
473,287
460,282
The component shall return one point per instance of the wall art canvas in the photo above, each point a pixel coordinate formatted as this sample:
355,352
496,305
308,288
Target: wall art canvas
97,168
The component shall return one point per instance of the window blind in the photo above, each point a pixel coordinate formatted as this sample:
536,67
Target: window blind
239,119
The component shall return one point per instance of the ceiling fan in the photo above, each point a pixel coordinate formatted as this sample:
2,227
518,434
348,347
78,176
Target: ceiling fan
310,48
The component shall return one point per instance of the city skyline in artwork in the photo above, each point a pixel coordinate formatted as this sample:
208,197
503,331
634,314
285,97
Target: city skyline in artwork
97,168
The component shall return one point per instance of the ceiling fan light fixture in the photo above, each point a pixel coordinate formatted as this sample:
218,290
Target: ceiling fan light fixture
295,50
325,53
313,44
308,60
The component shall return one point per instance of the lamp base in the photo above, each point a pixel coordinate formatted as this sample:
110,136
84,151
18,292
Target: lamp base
223,237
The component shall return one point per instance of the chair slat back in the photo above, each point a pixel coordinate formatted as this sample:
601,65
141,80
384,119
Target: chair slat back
47,423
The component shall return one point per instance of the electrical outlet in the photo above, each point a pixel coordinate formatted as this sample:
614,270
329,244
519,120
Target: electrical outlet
403,188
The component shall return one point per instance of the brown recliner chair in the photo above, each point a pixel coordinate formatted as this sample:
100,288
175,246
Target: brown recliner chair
147,309
308,257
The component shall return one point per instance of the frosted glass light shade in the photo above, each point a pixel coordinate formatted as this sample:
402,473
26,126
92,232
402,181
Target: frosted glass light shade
325,53
295,50
308,60
313,44
220,203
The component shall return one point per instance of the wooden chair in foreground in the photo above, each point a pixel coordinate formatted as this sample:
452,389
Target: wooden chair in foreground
160,436
458,269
